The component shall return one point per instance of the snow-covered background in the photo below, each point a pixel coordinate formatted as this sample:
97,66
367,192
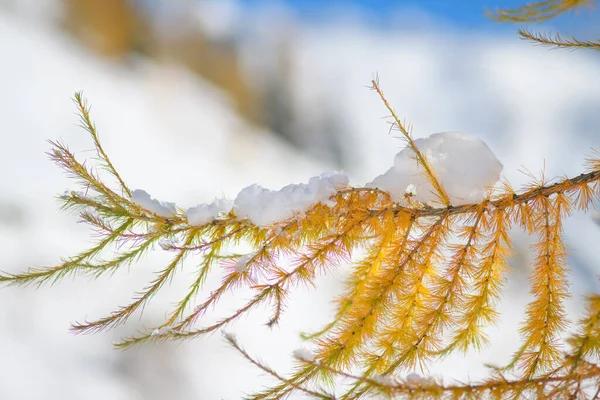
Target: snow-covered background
177,136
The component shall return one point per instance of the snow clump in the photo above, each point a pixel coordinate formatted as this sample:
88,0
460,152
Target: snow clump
242,263
204,213
161,208
304,354
264,207
160,331
463,164
385,380
414,379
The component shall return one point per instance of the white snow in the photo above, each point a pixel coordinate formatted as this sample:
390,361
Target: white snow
304,354
242,263
143,199
167,244
264,207
160,331
204,213
464,165
414,379
385,380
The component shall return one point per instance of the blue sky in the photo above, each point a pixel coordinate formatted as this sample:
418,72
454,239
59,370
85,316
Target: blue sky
457,10
464,13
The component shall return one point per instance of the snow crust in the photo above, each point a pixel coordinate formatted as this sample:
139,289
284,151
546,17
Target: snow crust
204,213
162,208
464,165
264,207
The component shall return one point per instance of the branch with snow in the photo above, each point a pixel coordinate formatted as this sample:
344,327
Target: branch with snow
143,199
464,165
421,264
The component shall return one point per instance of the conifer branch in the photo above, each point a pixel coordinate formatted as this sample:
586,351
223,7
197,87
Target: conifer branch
510,200
478,310
362,273
448,291
553,386
90,127
558,41
385,285
124,312
545,315
230,281
440,192
585,344
40,276
539,11
315,394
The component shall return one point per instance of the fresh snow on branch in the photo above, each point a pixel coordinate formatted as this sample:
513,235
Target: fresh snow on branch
415,379
160,331
264,207
304,354
242,263
386,380
143,199
204,213
464,165
412,379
